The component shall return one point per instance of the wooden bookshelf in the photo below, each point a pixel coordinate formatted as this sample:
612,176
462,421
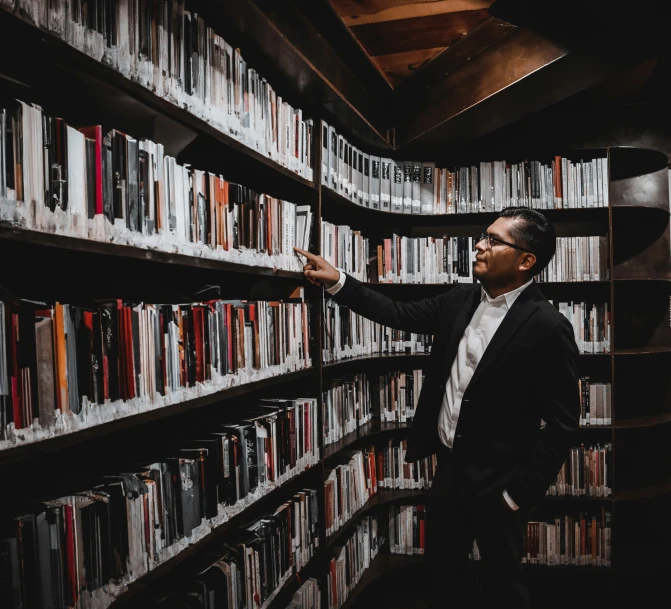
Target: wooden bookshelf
368,431
336,206
52,244
344,366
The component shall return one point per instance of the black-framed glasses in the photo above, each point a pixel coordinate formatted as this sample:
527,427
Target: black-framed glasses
492,240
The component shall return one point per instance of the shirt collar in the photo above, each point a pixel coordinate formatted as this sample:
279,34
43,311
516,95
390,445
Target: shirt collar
508,298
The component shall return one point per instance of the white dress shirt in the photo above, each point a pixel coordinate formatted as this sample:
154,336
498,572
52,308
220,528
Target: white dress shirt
479,333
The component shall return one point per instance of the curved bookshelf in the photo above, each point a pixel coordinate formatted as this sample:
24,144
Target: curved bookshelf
368,430
46,446
124,96
645,421
643,351
652,491
387,359
335,205
638,178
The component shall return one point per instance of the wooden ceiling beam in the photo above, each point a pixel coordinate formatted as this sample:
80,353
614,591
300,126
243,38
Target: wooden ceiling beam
418,33
362,13
522,73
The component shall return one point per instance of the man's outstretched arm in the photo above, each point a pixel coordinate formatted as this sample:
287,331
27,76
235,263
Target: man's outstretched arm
421,317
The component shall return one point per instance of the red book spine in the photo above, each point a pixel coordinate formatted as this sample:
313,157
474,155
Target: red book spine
97,134
70,554
14,371
229,334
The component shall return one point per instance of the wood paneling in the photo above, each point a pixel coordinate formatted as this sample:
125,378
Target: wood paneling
361,13
417,33
397,66
401,36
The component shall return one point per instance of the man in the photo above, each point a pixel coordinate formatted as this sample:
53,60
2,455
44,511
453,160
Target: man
499,403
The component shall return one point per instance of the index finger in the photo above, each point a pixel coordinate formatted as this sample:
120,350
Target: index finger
308,255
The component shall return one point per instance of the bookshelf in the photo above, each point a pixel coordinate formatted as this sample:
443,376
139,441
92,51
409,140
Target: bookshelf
640,267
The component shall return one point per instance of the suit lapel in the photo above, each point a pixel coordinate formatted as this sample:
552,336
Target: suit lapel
523,308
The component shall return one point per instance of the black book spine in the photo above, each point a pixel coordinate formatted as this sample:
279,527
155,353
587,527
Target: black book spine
133,208
108,178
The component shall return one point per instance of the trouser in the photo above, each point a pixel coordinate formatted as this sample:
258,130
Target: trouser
454,518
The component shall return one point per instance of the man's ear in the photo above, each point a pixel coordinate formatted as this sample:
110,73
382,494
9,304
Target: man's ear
527,262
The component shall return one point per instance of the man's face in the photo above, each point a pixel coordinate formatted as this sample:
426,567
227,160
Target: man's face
499,264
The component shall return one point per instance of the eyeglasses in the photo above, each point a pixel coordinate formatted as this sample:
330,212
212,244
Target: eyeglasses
492,241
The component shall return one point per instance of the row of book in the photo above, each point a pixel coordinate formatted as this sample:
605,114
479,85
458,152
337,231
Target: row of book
176,55
578,259
350,402
426,260
450,259
250,568
399,394
587,472
580,540
104,185
351,559
407,532
78,551
419,187
346,405
347,334
67,365
308,596
393,472
591,324
596,408
348,487
345,249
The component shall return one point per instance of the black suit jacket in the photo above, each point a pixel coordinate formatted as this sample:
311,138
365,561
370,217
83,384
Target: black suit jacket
528,372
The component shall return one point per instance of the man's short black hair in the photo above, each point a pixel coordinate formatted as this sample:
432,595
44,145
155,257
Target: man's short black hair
534,233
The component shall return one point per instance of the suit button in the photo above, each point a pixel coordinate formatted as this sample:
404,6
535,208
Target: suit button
458,436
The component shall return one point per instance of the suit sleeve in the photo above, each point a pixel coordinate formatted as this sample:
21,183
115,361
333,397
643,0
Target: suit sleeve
560,409
421,316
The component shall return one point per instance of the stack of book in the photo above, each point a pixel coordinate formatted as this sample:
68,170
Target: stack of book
394,472
351,559
347,334
588,472
407,529
249,569
345,404
172,52
65,367
348,487
591,324
580,540
419,187
109,186
88,545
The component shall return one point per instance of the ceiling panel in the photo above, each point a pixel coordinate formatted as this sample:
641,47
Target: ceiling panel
401,36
